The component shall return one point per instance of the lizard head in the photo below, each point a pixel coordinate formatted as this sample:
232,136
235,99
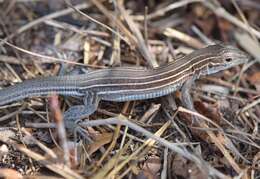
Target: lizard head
223,57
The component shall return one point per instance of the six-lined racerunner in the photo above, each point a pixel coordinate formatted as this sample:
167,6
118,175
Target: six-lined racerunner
126,84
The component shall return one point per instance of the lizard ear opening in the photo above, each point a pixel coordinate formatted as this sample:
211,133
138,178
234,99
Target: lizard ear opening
228,59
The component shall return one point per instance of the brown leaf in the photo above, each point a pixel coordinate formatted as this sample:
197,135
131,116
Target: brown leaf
186,169
60,154
152,165
145,175
208,110
196,173
180,166
99,141
9,174
255,80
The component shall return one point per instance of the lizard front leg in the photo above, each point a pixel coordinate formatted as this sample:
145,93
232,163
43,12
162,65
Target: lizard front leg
91,101
186,97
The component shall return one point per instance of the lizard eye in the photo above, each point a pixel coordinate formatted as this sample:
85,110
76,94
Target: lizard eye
210,65
228,59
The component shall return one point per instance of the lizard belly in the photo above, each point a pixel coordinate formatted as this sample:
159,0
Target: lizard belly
121,96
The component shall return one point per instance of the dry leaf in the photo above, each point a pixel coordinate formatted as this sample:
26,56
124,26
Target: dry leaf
186,169
208,110
99,141
10,174
152,165
180,166
255,80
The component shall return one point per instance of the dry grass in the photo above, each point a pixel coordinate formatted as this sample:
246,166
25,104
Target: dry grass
139,139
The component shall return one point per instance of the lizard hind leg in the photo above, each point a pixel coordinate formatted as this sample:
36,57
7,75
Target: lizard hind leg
91,101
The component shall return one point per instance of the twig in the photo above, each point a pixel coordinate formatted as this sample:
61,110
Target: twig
221,12
94,20
165,163
58,118
40,145
203,37
214,138
9,115
141,43
250,105
191,41
170,7
58,168
47,59
174,147
73,28
42,19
